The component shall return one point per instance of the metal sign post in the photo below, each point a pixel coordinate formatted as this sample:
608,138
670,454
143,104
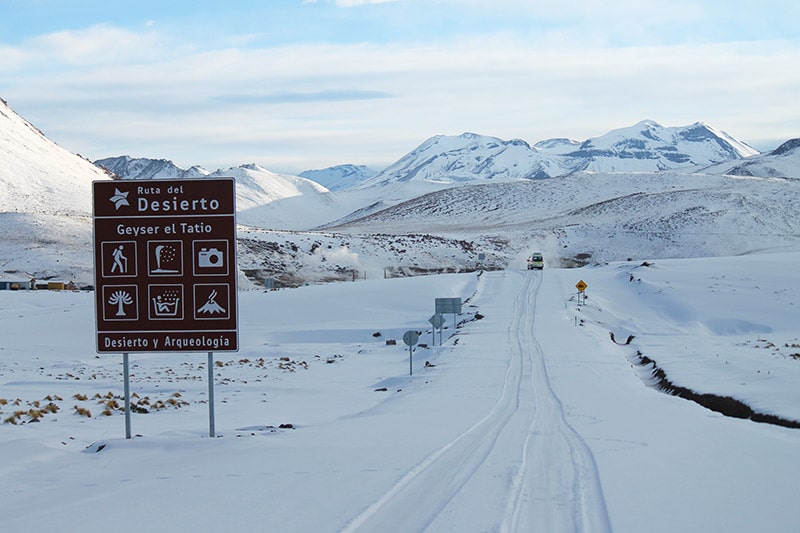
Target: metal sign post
127,386
410,338
165,268
581,286
437,321
211,394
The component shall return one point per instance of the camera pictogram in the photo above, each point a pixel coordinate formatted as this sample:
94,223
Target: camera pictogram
211,257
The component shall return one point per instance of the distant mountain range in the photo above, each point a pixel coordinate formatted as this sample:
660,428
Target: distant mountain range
453,203
468,158
644,147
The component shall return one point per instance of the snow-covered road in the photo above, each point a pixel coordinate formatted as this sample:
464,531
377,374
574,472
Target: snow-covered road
537,469
528,418
557,487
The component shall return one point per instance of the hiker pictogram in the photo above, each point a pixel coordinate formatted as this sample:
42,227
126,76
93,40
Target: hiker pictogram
119,259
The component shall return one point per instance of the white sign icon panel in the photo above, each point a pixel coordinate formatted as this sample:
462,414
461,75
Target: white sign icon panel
120,302
118,259
214,301
210,258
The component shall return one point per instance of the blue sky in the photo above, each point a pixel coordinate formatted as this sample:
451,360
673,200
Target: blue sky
294,85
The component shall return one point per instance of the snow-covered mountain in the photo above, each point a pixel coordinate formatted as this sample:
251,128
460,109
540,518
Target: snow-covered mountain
334,178
560,145
782,162
643,147
279,201
340,177
45,204
37,175
263,198
454,203
649,146
450,160
126,167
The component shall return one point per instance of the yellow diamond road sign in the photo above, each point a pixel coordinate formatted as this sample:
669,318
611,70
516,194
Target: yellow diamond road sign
581,286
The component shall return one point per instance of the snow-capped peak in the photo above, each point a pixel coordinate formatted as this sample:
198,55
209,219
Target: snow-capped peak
469,157
140,168
649,146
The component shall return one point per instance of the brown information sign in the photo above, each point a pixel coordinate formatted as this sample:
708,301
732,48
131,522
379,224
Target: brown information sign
165,265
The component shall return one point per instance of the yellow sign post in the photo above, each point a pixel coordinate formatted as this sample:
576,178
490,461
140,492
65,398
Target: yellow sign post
581,286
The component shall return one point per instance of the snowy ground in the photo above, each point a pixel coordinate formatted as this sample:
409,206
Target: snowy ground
528,418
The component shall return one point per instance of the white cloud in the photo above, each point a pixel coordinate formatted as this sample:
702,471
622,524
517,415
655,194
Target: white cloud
294,107
97,45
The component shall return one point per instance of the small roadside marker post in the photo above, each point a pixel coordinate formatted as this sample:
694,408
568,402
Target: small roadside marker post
437,321
581,286
410,338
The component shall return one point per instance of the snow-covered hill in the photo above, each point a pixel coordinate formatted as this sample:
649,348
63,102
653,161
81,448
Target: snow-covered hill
783,162
37,175
339,177
603,217
263,198
45,204
279,201
334,178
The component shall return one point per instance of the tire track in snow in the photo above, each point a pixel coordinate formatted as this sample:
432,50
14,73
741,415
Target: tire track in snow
557,487
423,493
435,490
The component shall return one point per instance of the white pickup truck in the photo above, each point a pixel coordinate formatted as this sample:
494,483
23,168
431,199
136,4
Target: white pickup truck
535,261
